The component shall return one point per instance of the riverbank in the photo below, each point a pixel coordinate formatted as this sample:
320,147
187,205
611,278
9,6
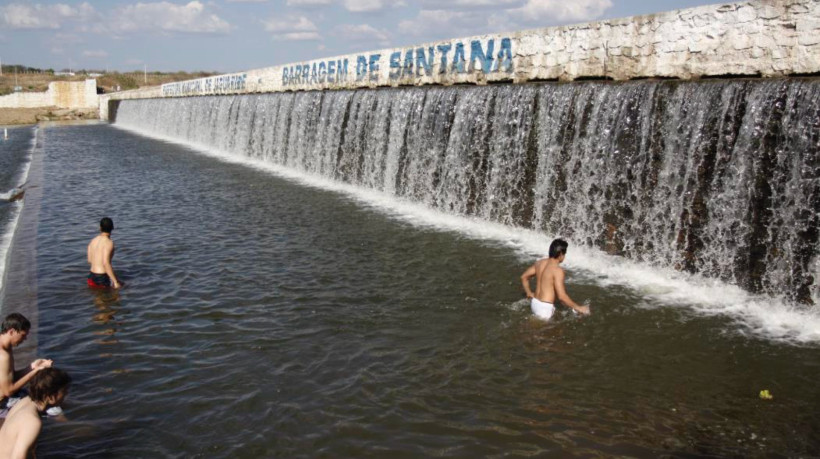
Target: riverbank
17,116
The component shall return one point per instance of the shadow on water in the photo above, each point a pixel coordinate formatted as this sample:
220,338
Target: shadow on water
262,318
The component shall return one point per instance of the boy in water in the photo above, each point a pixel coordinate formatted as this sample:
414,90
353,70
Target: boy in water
100,253
549,283
18,434
14,331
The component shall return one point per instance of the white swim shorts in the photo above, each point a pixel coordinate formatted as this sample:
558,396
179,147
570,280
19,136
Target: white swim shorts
541,309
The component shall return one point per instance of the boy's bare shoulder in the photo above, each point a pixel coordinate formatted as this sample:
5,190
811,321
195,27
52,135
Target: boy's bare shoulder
28,415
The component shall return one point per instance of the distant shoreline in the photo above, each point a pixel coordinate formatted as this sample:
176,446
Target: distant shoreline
18,116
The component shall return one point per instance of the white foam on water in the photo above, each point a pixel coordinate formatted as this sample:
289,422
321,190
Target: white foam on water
756,315
8,234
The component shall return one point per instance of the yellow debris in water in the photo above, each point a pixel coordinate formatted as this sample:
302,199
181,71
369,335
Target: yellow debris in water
765,395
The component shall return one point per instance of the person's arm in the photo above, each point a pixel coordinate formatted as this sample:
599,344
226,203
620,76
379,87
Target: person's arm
37,364
26,438
107,256
88,253
561,293
8,386
525,280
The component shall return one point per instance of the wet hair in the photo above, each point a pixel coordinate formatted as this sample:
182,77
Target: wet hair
15,321
106,225
558,248
47,383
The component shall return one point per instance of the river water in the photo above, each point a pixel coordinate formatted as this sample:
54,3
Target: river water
267,315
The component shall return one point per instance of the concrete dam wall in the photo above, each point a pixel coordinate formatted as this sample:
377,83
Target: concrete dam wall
756,38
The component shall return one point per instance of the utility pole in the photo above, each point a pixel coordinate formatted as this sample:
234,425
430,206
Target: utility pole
145,73
1,67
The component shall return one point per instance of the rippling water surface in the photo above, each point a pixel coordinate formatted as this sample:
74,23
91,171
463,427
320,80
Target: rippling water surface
263,318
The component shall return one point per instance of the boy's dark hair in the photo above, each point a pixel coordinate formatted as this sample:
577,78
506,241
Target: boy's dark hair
558,248
15,321
106,225
46,383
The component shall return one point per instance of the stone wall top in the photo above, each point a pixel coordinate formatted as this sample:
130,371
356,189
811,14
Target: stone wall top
751,38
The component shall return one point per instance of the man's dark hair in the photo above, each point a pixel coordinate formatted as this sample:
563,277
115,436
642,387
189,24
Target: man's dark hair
558,248
106,225
15,321
46,383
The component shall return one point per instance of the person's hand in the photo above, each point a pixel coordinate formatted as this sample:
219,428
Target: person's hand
583,310
529,296
117,284
39,364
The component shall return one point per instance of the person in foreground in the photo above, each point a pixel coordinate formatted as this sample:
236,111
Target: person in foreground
14,331
18,434
549,283
100,253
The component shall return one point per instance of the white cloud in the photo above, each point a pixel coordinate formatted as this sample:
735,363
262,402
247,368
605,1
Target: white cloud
169,17
362,33
446,23
364,6
37,16
560,10
95,53
299,3
292,28
471,4
247,1
453,18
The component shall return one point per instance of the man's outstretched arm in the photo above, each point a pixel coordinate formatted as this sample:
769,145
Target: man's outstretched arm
9,386
561,293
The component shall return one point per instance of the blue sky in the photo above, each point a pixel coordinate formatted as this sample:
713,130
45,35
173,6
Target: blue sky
235,35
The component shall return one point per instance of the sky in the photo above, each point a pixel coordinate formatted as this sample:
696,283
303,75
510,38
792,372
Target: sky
235,35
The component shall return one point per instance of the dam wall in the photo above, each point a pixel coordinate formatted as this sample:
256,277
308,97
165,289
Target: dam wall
673,166
753,38
62,94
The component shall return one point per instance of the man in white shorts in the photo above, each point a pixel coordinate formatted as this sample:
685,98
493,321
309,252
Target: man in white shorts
549,283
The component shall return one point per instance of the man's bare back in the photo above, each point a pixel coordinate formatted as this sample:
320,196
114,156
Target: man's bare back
549,278
20,430
100,254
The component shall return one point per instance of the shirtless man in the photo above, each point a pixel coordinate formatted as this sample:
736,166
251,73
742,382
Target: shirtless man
100,253
549,280
14,331
18,434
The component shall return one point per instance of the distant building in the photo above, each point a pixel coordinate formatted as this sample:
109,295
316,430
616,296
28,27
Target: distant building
63,73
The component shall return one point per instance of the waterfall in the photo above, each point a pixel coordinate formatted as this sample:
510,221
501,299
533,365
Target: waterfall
719,178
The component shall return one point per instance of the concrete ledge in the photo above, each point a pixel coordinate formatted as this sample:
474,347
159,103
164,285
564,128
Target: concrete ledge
753,38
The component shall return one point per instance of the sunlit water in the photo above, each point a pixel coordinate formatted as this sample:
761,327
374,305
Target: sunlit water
263,317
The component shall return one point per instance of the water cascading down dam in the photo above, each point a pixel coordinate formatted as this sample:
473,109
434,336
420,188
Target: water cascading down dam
718,177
